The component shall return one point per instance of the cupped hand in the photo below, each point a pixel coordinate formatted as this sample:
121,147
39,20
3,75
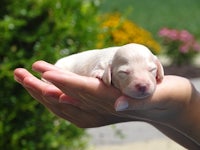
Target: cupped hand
168,100
84,101
87,102
71,92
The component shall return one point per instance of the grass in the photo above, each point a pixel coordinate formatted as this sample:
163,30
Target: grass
155,14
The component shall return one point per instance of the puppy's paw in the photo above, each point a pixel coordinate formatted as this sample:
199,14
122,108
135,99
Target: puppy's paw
103,75
98,74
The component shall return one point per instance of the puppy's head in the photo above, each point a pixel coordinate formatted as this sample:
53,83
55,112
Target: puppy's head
135,71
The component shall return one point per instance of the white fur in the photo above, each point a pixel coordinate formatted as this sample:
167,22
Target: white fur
131,68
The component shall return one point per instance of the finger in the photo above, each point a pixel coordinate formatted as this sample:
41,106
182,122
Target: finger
42,66
36,84
121,104
36,96
124,103
33,85
25,78
50,102
68,80
47,91
81,117
68,100
20,74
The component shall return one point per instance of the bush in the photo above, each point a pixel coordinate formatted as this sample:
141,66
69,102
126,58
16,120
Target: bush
117,30
33,30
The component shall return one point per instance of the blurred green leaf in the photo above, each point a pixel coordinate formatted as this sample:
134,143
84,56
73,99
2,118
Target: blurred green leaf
31,30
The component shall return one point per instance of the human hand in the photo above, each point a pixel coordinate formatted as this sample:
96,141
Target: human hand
87,102
92,102
91,95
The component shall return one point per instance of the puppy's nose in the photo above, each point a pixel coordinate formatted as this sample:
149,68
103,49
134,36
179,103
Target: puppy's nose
141,87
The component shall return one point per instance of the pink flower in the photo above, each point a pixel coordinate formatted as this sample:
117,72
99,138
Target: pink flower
163,32
185,36
185,41
196,46
174,35
184,48
181,45
170,34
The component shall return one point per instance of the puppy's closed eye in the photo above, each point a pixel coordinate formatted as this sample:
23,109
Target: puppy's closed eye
123,74
153,70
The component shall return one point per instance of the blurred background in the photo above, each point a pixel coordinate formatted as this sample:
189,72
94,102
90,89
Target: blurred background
32,30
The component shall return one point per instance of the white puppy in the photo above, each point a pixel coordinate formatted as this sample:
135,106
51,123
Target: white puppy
131,68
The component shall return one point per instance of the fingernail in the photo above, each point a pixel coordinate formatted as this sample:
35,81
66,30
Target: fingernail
121,106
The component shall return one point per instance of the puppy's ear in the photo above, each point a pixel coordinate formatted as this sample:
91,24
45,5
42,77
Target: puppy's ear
107,76
160,71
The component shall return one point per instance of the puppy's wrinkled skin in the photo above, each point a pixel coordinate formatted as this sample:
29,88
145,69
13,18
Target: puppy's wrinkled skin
131,68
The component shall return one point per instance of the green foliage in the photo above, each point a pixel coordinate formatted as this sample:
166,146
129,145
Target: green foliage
31,30
153,15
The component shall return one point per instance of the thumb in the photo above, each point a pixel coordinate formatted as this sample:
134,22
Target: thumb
124,103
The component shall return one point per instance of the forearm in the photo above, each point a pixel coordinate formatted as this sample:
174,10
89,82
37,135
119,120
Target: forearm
177,136
188,122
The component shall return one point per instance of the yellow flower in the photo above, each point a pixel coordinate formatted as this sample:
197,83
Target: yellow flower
117,30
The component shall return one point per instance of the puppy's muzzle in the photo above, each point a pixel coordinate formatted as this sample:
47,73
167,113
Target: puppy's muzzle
142,87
